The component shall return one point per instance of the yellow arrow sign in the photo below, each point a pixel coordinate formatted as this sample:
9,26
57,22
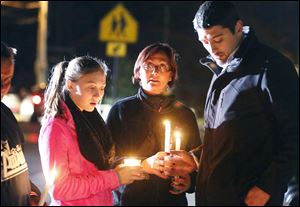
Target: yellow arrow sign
118,25
116,49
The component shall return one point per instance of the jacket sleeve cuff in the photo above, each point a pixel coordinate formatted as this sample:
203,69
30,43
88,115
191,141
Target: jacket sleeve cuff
115,179
266,181
195,159
193,176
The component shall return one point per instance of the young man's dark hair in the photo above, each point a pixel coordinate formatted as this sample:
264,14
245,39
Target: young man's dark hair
7,52
213,13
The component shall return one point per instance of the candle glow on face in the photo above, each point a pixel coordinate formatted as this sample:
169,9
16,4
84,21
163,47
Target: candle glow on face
132,162
167,135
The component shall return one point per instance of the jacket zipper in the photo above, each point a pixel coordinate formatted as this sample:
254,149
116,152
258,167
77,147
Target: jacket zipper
160,106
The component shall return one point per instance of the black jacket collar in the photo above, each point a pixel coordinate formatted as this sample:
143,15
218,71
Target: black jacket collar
157,103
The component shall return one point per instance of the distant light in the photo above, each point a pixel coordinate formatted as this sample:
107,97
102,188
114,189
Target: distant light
36,99
32,138
26,109
12,101
42,85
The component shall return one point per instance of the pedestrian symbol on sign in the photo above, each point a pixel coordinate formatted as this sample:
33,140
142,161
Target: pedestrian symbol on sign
118,26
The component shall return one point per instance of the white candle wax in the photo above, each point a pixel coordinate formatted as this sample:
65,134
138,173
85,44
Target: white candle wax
167,135
177,141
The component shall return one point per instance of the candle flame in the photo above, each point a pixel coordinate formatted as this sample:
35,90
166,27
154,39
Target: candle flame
177,134
132,162
166,122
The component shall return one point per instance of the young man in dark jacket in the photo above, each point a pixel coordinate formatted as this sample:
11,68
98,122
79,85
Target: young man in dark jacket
250,148
16,188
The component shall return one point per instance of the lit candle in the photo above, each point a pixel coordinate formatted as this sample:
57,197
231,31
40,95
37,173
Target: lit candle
177,140
177,148
132,162
167,135
48,185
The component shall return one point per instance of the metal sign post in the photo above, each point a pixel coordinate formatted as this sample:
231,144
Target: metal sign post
117,28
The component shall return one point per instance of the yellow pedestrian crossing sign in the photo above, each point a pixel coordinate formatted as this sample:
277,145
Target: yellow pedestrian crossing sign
119,26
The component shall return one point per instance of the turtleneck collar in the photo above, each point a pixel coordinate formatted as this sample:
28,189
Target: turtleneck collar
158,103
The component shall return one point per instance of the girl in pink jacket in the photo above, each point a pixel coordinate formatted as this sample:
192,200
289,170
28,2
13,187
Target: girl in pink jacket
75,140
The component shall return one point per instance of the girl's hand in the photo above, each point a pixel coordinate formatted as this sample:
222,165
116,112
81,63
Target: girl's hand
128,174
155,165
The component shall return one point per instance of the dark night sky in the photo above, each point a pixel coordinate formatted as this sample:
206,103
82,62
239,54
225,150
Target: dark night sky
73,31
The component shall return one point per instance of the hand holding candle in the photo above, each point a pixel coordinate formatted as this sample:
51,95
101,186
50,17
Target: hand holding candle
49,183
130,170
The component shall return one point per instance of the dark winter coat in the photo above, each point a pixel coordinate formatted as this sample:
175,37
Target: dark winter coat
15,183
251,126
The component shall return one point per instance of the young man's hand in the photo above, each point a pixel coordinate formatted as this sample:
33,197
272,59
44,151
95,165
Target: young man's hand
180,163
35,198
180,184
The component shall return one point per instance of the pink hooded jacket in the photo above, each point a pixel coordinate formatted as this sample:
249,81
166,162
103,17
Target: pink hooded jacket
78,181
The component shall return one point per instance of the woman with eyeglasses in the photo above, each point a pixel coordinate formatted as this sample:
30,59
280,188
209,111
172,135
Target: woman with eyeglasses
137,128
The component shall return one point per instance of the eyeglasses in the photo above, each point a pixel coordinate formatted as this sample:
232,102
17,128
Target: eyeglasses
150,67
